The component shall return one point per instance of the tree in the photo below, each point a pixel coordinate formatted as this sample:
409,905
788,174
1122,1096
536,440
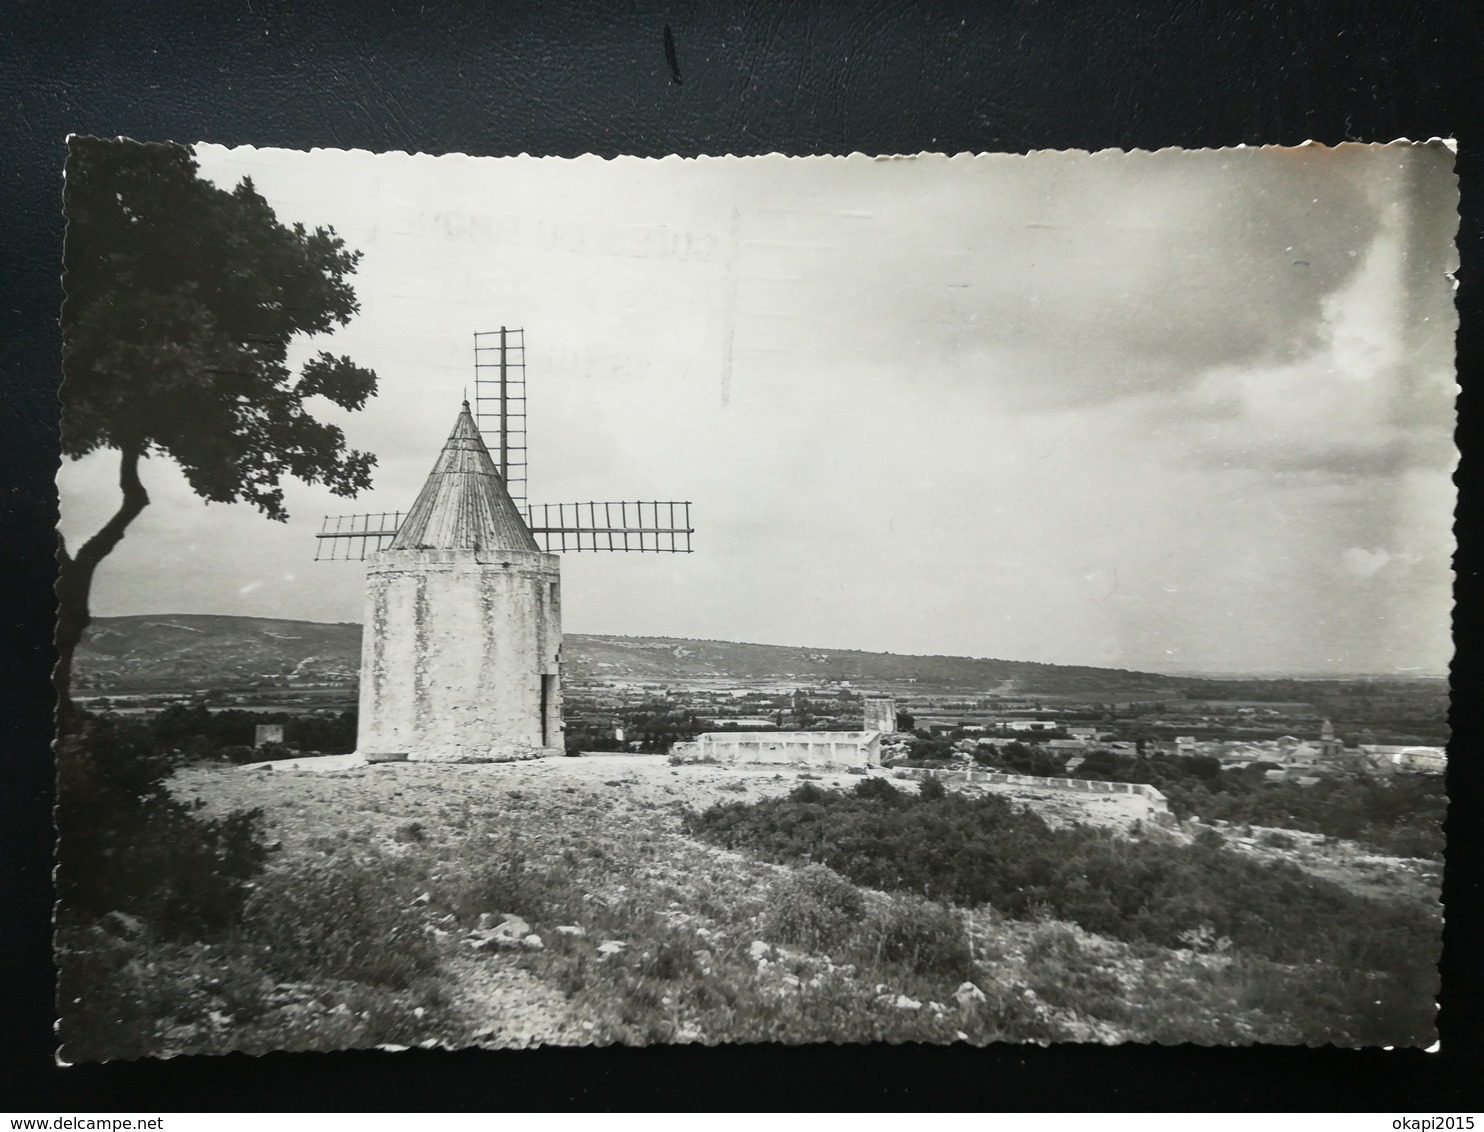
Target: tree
181,302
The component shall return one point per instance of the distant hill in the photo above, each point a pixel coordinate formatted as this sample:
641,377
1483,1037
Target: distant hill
198,650
667,658
193,650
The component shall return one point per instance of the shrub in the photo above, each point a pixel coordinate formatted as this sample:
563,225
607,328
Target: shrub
976,851
343,919
924,937
1064,973
931,790
932,750
877,789
1209,837
814,907
502,881
805,794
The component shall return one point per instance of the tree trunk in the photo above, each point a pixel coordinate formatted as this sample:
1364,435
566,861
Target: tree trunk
75,583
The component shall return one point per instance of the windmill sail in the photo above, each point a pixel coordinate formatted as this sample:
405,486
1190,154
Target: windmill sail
653,526
489,444
351,538
659,526
500,403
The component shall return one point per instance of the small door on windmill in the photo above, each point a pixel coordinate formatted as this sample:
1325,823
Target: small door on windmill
548,713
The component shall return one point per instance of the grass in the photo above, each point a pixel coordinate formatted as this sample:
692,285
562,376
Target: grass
357,937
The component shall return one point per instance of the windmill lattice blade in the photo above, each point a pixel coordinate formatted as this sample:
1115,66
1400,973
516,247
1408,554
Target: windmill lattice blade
351,538
644,526
500,403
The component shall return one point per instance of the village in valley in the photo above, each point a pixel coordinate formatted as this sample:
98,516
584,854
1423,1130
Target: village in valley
1365,726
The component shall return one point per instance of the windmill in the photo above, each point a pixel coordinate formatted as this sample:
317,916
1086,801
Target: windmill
461,646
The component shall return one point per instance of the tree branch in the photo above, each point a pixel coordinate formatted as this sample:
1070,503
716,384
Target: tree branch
75,582
135,500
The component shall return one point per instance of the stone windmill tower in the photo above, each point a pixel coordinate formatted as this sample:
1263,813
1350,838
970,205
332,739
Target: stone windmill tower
461,649
460,655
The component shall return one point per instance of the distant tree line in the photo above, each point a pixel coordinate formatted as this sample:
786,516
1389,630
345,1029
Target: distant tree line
651,727
200,732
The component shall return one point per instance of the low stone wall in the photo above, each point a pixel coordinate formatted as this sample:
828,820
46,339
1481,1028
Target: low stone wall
793,748
1152,794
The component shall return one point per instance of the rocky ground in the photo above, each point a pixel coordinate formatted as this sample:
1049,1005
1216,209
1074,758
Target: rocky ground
386,789
639,897
499,997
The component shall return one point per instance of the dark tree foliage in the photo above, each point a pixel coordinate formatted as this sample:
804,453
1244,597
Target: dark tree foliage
657,725
932,790
326,735
197,730
126,844
579,736
1403,816
1021,758
182,300
925,750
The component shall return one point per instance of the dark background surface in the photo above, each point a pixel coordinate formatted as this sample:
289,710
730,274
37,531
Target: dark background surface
563,78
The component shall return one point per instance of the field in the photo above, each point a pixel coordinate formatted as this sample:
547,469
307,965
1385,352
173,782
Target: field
563,901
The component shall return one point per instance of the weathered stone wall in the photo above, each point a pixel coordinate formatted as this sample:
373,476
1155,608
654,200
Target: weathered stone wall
454,652
880,714
795,748
1155,796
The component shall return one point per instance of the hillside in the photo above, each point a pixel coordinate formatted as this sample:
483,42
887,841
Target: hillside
197,650
665,658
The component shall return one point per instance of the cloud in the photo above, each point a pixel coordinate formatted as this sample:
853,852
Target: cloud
965,397
1357,404
1358,562
1061,279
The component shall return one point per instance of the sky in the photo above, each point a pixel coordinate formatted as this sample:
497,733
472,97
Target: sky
1183,411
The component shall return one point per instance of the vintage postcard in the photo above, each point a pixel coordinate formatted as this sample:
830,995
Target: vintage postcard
987,598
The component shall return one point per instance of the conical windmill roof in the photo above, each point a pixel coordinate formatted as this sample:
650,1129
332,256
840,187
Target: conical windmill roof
464,504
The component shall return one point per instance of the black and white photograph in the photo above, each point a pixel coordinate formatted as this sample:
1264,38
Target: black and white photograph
919,598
